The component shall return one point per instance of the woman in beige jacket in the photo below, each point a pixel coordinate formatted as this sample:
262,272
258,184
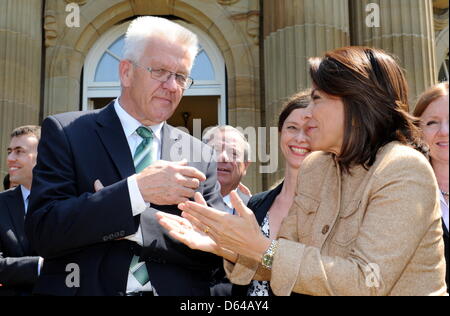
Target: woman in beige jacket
366,216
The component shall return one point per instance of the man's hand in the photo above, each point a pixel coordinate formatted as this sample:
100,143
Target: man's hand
169,183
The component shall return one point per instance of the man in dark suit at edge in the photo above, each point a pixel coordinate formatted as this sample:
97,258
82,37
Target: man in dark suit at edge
112,235
19,267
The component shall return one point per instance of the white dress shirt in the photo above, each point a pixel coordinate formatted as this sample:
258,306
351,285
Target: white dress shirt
444,210
25,195
138,205
229,206
227,200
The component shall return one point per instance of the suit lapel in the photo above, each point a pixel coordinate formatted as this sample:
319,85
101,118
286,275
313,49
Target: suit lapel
244,198
111,133
267,202
16,209
171,148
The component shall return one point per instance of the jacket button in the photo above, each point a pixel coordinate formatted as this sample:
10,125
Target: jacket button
325,229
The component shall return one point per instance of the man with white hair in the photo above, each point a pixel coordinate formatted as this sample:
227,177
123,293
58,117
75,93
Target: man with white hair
102,175
232,155
233,159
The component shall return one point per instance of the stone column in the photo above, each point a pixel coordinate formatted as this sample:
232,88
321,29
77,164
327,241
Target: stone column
405,30
441,13
295,30
20,68
63,60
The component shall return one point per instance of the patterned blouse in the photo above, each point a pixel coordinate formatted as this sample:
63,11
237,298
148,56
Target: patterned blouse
261,288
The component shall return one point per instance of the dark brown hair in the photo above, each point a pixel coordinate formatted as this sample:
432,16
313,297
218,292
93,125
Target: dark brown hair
374,91
27,130
429,96
297,101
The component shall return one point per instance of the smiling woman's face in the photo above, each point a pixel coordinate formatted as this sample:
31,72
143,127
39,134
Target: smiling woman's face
434,121
326,126
294,142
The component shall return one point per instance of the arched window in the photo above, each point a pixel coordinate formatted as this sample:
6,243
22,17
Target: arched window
101,76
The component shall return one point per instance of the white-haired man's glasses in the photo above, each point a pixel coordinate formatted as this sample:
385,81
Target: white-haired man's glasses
162,75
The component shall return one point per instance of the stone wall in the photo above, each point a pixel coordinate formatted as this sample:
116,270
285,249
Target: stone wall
20,68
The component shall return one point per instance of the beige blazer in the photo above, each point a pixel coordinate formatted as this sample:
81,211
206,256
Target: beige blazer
374,232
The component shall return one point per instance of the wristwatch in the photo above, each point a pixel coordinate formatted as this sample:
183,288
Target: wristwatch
267,259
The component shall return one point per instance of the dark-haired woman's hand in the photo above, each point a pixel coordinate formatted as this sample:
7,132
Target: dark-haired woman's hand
240,234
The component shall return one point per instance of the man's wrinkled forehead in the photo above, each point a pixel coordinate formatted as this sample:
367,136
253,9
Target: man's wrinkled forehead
230,148
227,139
164,54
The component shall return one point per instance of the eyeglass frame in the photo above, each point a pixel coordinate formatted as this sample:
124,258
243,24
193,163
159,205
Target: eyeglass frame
150,70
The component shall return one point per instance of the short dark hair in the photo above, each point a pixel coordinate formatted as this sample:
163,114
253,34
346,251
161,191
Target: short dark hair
27,130
374,91
297,101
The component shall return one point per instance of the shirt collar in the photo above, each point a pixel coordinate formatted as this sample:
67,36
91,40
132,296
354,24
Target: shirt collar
227,200
25,192
130,124
442,198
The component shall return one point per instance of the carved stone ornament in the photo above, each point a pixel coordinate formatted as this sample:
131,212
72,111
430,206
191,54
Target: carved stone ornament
440,22
79,2
227,2
440,4
251,20
51,30
440,9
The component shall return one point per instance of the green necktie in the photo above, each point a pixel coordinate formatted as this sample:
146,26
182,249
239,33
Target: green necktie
143,155
142,159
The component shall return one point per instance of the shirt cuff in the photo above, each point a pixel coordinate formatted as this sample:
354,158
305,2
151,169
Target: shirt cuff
40,263
138,205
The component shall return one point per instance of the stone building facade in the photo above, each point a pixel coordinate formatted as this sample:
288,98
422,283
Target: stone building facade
52,53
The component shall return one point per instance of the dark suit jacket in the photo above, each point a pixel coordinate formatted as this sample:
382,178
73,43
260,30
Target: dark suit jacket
447,259
68,223
18,268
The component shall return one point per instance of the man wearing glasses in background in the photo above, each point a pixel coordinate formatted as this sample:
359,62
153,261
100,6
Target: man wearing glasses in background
102,175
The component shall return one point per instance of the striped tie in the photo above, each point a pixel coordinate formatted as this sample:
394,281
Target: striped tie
143,155
142,159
